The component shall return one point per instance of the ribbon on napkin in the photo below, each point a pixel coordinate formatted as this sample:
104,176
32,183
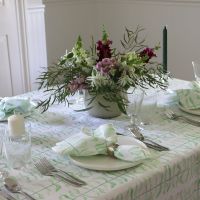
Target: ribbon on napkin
102,141
10,105
189,98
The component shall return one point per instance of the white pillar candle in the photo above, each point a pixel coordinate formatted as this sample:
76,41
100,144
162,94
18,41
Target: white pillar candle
16,125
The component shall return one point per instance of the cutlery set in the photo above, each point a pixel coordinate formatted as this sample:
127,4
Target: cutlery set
136,133
149,143
11,186
47,169
174,116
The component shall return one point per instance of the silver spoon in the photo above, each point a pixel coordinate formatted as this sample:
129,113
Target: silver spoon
151,144
12,185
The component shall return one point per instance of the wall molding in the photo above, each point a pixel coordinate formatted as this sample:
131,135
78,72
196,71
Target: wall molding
36,7
23,44
186,2
36,32
26,10
2,2
5,59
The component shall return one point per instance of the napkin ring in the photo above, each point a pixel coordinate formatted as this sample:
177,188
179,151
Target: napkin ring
111,149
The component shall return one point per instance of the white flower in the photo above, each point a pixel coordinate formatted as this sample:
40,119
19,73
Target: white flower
90,61
125,80
99,81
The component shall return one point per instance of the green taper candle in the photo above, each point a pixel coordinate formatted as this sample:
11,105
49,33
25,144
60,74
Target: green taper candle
165,49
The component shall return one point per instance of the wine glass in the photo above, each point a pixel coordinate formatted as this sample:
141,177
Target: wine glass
134,103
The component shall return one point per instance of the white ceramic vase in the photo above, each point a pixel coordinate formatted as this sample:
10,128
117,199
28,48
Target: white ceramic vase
97,110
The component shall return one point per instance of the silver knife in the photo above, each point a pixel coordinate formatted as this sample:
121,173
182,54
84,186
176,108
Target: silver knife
150,144
155,146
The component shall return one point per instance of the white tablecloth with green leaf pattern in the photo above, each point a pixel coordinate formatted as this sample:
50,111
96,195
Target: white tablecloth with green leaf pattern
172,175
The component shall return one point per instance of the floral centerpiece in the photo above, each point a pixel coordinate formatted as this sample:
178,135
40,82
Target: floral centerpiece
103,71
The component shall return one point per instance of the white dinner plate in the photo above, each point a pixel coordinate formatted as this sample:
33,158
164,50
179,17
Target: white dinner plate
106,163
190,111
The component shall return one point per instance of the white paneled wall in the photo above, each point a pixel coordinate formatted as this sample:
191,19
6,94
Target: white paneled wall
22,45
36,42
11,73
6,88
65,19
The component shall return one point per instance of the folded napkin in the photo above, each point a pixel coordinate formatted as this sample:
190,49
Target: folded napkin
11,105
196,85
189,98
102,141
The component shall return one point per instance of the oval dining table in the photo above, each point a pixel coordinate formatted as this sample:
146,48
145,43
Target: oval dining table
167,175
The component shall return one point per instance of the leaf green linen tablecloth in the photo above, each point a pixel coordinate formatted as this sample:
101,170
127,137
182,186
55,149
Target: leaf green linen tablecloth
172,175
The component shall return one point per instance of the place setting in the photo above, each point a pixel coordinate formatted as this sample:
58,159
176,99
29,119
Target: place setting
187,101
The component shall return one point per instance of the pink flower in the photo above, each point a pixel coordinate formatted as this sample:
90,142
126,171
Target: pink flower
147,54
106,65
76,84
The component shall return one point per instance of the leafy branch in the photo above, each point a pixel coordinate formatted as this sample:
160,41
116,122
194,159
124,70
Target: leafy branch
131,40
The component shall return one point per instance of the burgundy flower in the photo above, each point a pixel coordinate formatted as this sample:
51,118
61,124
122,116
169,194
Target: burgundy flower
147,54
104,50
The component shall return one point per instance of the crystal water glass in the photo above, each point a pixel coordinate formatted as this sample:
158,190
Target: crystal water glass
196,69
2,132
17,150
135,99
148,108
80,96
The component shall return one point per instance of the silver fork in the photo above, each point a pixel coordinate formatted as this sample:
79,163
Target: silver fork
172,115
46,172
53,169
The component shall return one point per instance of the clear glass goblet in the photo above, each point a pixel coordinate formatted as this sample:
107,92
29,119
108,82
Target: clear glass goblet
134,103
148,107
80,97
196,70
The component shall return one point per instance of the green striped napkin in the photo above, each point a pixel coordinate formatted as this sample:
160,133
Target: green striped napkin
11,105
89,143
189,98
